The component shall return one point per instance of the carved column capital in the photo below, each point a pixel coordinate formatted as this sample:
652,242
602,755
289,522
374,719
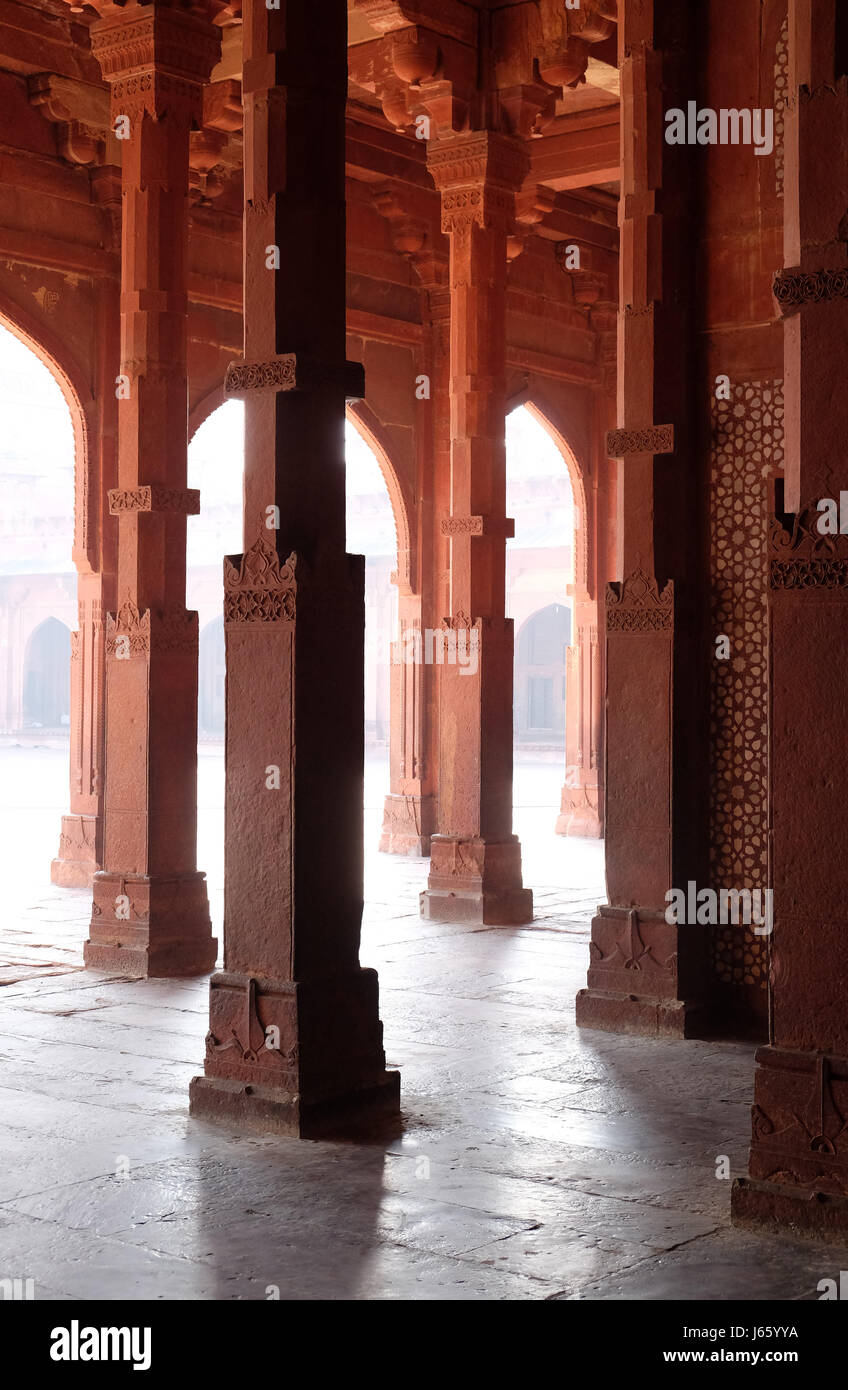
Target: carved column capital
478,175
156,59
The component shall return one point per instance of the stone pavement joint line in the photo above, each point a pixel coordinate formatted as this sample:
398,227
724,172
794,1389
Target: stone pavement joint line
536,1161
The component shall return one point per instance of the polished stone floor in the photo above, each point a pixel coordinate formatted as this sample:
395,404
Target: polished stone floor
536,1161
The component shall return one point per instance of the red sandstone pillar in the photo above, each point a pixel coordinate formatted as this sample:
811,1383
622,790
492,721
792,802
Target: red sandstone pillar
582,802
645,975
799,1149
409,810
81,840
475,869
295,1039
579,810
150,914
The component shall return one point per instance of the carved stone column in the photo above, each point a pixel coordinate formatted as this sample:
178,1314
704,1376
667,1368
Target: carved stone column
799,1148
409,807
409,810
579,810
150,914
646,975
475,869
295,1039
80,112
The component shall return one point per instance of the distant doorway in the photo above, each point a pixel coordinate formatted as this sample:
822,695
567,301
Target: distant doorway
47,677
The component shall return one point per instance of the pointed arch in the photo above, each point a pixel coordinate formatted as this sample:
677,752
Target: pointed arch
206,406
46,701
548,417
53,354
367,424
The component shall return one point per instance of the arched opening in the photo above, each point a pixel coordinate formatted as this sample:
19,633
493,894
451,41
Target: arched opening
547,596
38,608
211,675
216,467
539,693
47,677
539,597
372,532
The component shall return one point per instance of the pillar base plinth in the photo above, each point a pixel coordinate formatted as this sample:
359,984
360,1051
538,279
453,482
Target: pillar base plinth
579,815
645,1017
476,880
646,975
408,824
298,1058
495,909
267,1110
798,1164
149,928
786,1210
77,860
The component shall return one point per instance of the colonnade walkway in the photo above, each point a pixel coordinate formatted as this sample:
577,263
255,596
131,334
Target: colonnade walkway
535,1162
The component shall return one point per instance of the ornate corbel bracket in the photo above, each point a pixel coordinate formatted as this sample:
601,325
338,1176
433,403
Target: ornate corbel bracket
80,110
156,60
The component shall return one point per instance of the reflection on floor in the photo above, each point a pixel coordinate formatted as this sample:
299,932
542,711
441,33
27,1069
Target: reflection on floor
536,1162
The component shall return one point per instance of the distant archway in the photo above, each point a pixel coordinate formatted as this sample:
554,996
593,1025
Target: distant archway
210,681
47,677
374,529
539,698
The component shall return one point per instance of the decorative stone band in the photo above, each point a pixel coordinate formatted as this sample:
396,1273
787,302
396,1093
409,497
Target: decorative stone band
153,498
793,288
478,174
799,1133
288,372
477,526
653,439
131,633
171,41
803,558
258,588
460,622
246,1039
636,605
484,207
276,374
